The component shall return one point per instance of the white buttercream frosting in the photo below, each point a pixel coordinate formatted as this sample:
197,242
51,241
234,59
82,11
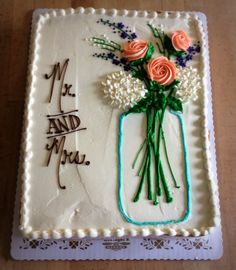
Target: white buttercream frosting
88,207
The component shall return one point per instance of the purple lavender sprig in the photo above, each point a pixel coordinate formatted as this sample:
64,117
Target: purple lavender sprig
115,60
188,55
124,31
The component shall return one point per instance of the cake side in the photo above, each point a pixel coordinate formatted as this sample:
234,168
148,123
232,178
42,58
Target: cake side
112,228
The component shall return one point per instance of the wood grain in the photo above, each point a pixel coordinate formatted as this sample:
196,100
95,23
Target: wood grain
15,19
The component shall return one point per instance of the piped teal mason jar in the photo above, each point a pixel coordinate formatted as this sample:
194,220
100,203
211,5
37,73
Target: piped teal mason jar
152,162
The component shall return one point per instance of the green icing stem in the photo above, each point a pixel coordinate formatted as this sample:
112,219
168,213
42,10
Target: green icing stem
158,186
137,196
110,46
149,173
168,161
120,178
137,155
149,132
157,35
143,163
165,186
160,174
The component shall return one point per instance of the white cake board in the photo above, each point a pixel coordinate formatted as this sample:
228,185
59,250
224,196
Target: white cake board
139,248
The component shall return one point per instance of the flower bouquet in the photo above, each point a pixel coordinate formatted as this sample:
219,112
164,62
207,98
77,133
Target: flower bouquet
150,85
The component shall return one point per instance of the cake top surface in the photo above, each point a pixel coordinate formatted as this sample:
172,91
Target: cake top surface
78,167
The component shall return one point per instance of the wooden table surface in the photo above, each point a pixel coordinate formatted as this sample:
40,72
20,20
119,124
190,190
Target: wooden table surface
15,19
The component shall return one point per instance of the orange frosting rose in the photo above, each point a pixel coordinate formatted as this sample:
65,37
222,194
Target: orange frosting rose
162,70
180,41
135,50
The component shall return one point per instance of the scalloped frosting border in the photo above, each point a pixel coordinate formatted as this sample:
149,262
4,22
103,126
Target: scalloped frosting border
26,152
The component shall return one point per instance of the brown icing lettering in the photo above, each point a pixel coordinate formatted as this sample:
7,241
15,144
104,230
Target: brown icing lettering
73,157
57,73
62,124
74,121
57,146
65,133
53,128
53,115
67,90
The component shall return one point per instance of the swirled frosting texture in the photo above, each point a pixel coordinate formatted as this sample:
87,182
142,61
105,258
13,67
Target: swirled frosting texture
135,49
162,70
180,40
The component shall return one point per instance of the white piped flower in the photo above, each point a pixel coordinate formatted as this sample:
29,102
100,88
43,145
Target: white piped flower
123,90
190,84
